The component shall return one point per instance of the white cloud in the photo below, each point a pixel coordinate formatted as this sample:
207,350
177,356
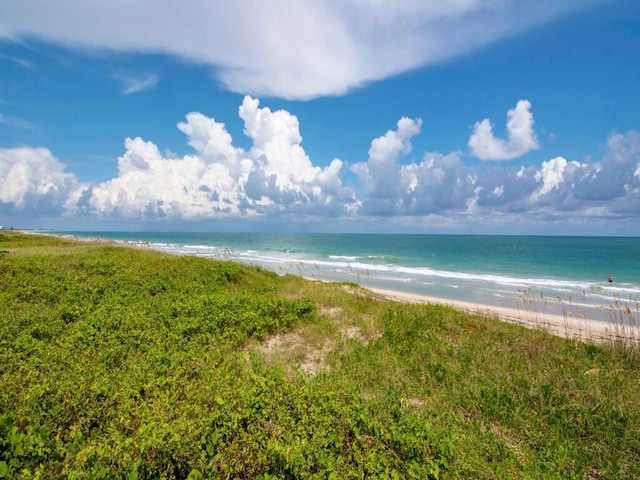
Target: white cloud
521,138
276,142
17,60
136,83
286,48
551,175
213,143
33,179
10,121
275,179
380,174
613,179
623,148
149,185
438,183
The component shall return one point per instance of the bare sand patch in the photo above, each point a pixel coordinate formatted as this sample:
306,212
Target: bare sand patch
307,350
294,349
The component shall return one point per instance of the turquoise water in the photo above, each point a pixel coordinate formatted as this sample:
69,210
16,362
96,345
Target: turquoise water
563,272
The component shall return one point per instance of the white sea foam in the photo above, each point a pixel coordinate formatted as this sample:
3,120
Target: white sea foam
397,273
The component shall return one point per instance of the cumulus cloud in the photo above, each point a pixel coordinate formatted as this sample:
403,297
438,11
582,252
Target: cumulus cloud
445,186
521,138
276,179
439,183
286,48
380,174
551,176
276,142
615,178
33,179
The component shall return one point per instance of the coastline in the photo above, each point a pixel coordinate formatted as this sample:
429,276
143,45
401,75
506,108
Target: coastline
588,324
560,325
136,329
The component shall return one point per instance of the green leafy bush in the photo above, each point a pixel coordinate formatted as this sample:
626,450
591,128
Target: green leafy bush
130,364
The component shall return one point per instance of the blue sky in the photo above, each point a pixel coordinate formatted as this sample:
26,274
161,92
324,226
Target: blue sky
466,116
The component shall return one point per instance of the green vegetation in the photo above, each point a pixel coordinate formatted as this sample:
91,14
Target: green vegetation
124,363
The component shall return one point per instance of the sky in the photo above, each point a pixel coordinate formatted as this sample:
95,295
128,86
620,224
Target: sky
390,116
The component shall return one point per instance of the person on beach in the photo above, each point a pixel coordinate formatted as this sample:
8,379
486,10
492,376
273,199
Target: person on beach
610,278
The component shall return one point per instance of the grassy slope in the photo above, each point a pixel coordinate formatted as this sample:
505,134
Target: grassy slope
123,363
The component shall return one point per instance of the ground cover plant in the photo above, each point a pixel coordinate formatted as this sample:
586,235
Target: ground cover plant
127,363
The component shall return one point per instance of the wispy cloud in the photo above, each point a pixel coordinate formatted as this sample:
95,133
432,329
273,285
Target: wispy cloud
19,61
281,48
136,83
10,121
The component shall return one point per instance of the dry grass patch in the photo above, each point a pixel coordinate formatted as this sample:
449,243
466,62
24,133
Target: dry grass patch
331,312
510,438
294,350
416,402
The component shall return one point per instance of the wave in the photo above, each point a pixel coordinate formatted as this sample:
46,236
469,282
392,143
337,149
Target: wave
379,267
349,258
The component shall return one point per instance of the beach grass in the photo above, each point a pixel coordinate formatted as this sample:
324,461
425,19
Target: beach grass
128,363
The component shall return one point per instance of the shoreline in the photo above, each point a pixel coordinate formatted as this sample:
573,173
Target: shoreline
558,325
565,325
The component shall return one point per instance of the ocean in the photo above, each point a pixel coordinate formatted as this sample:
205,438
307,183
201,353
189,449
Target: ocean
565,275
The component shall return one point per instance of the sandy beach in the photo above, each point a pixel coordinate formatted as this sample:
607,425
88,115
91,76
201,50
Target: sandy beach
566,326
